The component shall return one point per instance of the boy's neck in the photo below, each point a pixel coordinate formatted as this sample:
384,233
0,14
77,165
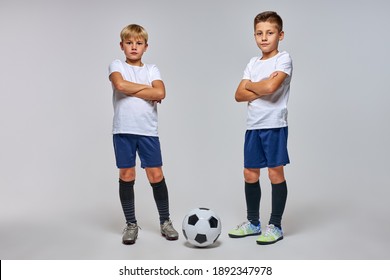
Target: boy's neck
269,55
134,63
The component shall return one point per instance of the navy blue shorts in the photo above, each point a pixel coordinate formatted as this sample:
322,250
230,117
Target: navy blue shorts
127,145
266,148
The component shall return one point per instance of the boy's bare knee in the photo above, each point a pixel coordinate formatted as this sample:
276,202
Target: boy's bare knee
276,175
155,174
251,175
127,174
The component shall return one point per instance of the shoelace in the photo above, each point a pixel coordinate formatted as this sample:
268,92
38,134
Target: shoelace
167,224
270,231
242,225
131,227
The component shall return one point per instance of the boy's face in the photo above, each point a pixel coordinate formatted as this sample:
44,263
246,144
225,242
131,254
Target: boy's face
134,48
267,38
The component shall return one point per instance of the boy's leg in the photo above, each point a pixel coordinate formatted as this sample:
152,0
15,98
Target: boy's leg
277,156
160,191
125,151
275,141
160,194
252,198
149,151
252,195
279,195
274,232
254,159
126,194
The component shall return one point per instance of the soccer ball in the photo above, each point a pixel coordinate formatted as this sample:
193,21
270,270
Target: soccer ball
201,227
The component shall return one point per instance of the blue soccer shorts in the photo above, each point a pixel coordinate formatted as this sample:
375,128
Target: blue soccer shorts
266,148
127,145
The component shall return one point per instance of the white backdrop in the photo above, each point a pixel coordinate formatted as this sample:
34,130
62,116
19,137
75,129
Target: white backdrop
58,180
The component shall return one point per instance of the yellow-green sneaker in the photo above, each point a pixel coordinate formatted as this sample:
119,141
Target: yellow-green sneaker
245,229
272,234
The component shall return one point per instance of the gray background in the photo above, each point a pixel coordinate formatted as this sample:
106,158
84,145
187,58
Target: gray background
58,181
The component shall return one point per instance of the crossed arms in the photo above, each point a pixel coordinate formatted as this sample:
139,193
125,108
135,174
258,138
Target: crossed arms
155,92
249,91
246,91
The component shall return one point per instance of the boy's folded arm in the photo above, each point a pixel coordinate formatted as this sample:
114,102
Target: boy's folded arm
268,86
244,95
126,87
154,93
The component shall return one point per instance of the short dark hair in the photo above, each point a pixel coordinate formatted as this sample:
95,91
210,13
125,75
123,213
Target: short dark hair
271,17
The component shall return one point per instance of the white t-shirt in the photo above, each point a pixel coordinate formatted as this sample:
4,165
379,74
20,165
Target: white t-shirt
269,111
134,115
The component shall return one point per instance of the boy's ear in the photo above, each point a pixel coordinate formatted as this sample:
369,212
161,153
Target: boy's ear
121,44
281,35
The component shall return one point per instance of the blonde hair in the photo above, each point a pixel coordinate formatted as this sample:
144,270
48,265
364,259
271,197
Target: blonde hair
134,31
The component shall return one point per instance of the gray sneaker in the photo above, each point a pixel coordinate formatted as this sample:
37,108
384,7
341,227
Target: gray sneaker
168,231
130,234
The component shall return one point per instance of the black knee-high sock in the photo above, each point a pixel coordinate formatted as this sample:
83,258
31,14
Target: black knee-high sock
252,197
126,195
279,197
160,194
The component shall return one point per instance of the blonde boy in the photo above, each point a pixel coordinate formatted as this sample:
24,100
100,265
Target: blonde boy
137,88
